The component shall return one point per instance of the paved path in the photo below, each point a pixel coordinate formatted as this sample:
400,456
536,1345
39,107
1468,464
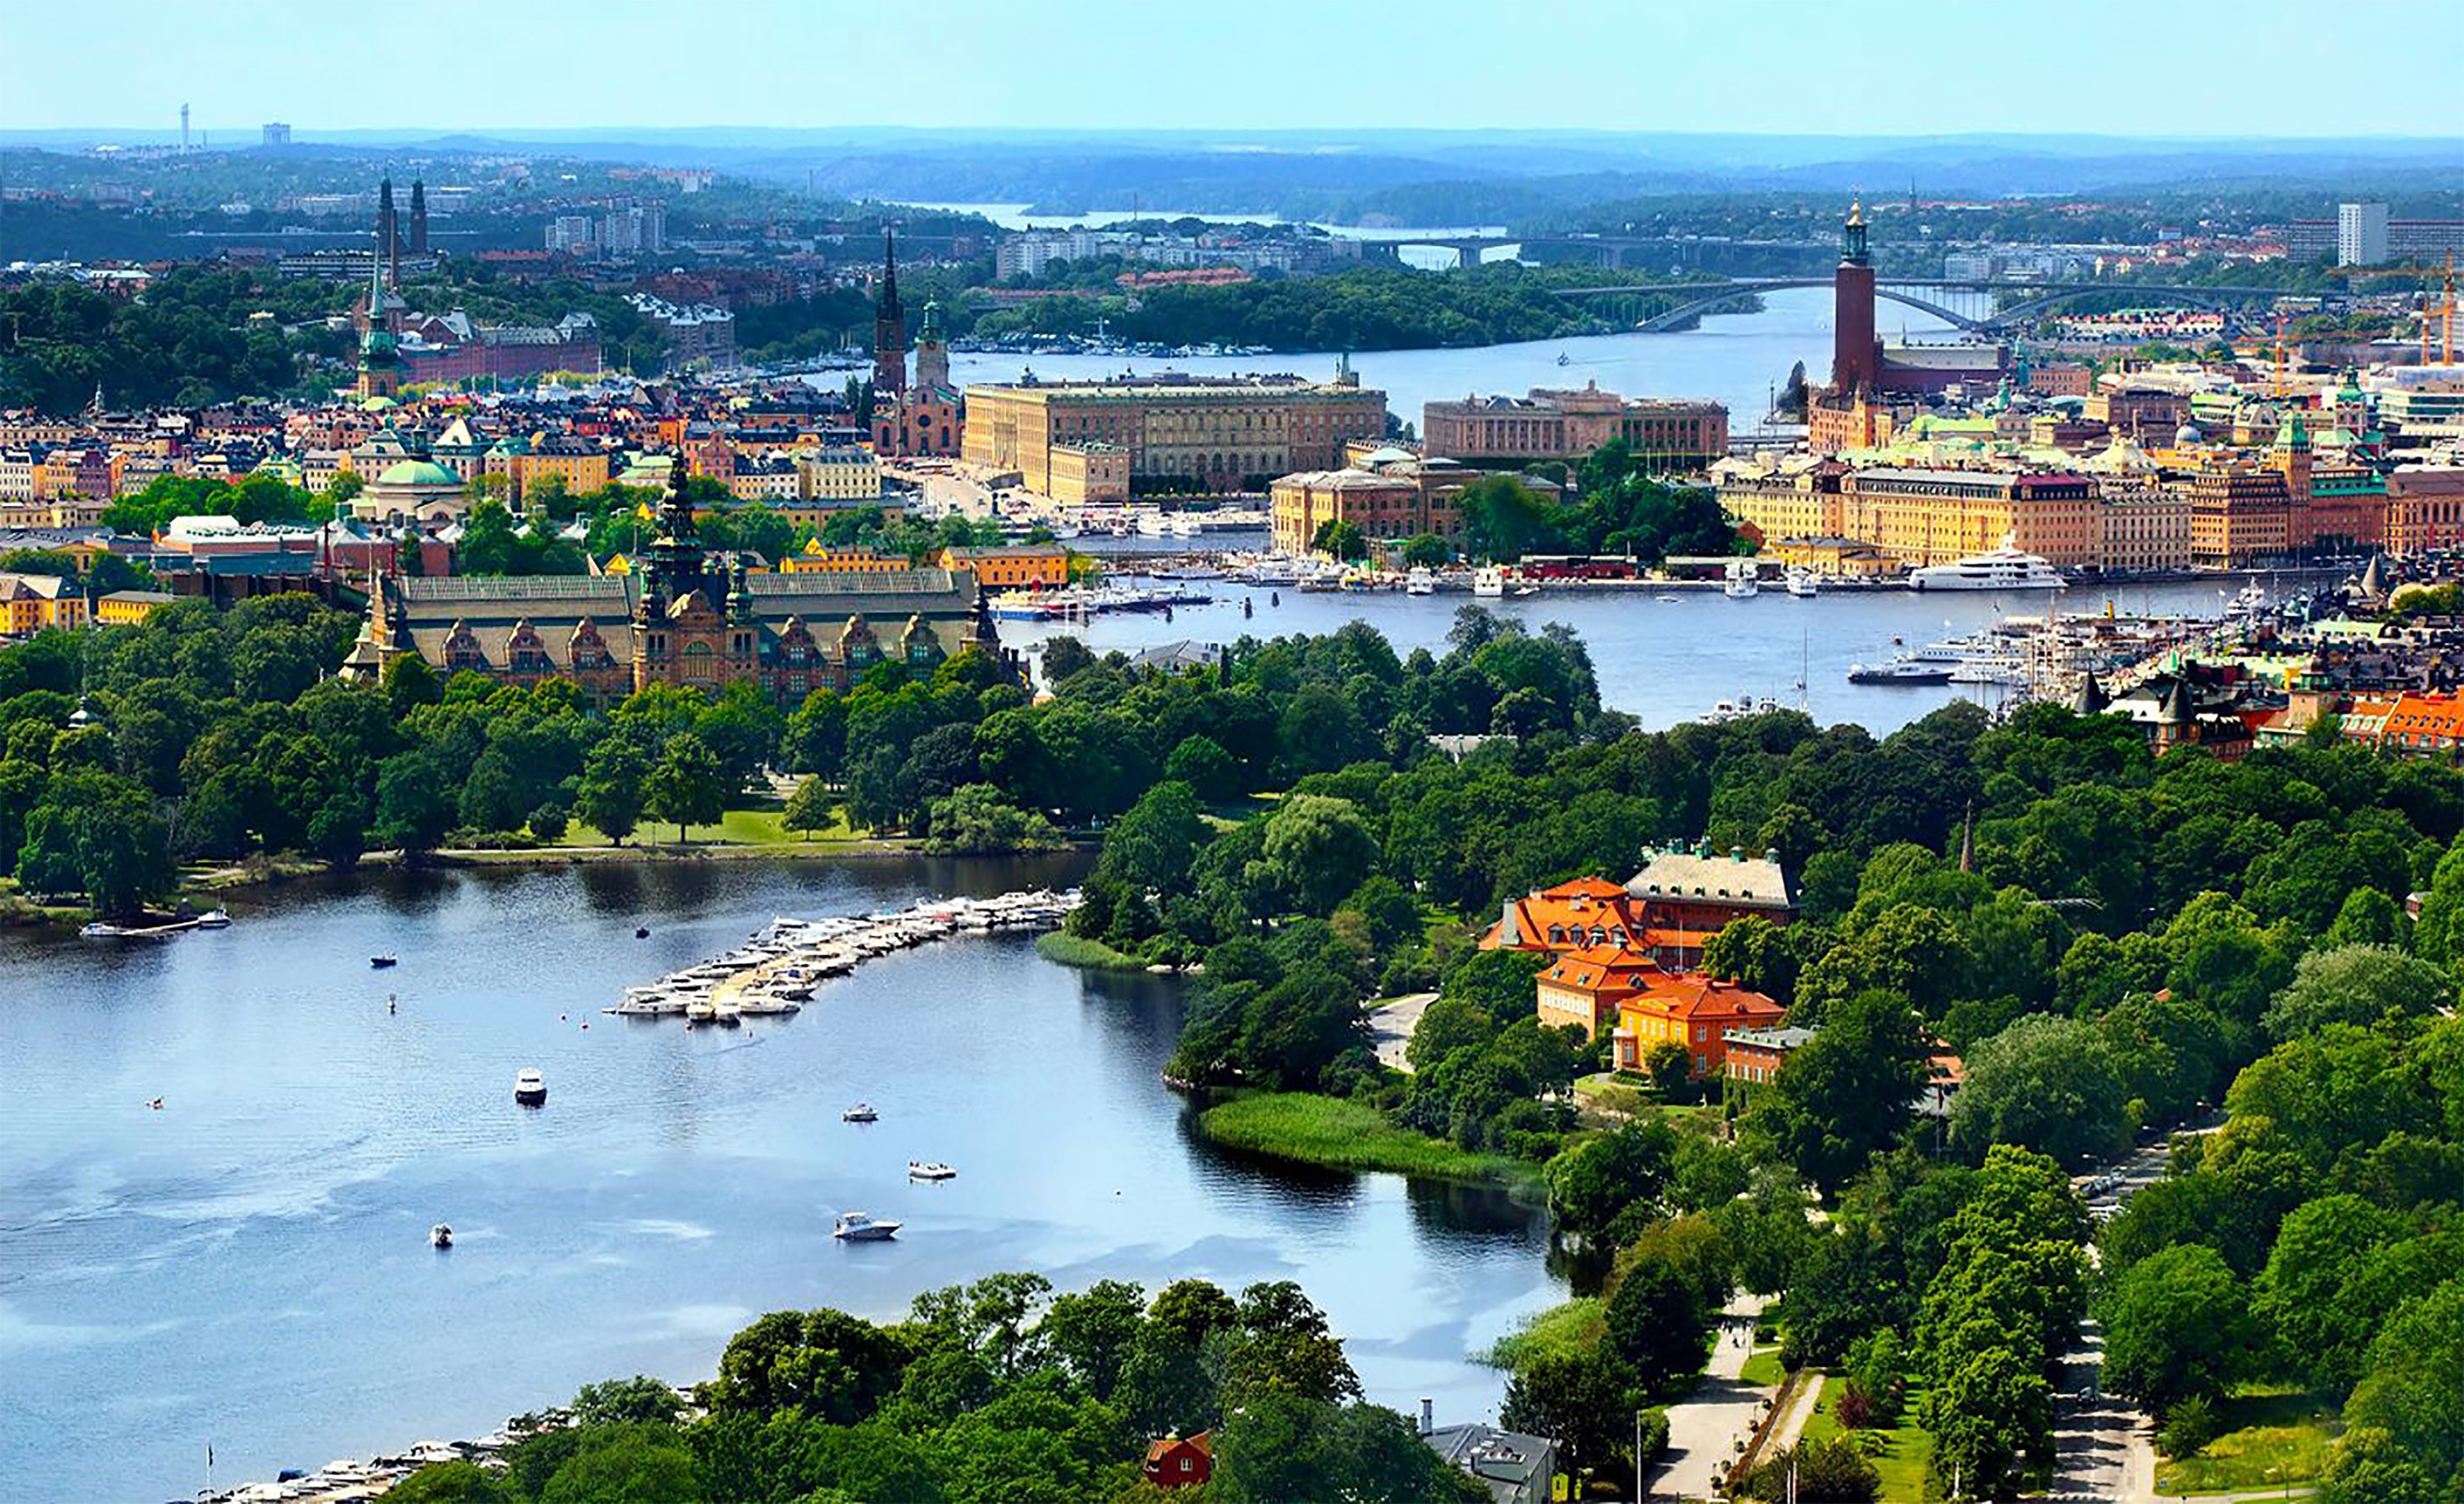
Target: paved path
1800,1410
2105,1447
1391,1022
1704,1427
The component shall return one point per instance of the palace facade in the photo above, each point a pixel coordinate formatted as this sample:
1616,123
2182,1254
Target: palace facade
678,619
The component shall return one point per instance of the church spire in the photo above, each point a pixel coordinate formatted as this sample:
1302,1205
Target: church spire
889,327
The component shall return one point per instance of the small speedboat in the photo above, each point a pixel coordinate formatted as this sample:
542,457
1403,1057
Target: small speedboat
700,1013
530,1088
929,1170
214,919
381,962
641,932
440,1236
857,1227
859,1113
98,930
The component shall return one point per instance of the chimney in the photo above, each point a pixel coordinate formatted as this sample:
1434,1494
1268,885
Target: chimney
1736,853
1428,1415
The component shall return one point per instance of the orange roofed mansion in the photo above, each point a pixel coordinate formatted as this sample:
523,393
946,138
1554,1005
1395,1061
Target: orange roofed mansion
1626,957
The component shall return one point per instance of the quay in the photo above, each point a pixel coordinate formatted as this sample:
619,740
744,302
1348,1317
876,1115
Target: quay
774,971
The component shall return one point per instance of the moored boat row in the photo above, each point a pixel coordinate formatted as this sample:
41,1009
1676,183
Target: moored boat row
774,971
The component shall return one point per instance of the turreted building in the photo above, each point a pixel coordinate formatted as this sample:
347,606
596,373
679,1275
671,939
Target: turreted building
678,619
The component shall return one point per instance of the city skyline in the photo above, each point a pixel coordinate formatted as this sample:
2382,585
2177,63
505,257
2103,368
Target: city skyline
1800,70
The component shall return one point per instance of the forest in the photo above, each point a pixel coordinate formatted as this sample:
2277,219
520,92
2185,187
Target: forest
2119,946
996,1391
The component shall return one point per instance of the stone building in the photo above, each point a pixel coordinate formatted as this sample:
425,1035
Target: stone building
675,618
1220,433
1667,432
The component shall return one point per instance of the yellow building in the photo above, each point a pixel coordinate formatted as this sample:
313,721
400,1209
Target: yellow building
856,559
1216,433
582,468
129,608
1931,517
1085,473
1791,498
838,474
29,603
1011,566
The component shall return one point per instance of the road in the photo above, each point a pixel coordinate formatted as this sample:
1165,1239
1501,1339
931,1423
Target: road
2104,1448
1391,1022
1704,1427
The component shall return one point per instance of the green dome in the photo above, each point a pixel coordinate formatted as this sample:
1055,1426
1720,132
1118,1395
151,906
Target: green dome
417,473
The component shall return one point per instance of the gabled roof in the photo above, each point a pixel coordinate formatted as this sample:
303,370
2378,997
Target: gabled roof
1686,996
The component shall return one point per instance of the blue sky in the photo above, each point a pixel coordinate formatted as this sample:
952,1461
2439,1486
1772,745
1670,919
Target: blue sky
2147,67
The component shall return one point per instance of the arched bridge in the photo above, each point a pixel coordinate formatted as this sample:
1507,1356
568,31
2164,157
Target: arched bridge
1939,297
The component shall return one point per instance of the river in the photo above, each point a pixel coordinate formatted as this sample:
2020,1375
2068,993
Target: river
249,1266
1665,658
1737,359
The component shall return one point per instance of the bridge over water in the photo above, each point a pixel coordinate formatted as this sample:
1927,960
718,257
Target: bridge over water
1977,305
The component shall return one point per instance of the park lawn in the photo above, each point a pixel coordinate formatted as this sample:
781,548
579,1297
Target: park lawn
757,826
2269,1439
1347,1136
1901,1455
1077,950
1762,1368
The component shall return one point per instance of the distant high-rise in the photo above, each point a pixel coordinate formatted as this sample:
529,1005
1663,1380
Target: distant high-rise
2361,235
277,134
184,127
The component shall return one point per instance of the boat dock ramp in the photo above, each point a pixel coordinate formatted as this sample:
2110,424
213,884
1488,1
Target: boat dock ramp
773,972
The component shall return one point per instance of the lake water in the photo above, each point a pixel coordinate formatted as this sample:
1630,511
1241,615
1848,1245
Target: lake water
249,1266
1736,359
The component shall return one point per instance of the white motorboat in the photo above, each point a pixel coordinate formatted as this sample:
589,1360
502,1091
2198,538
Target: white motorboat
1801,584
2005,568
929,1170
1906,672
1488,583
1741,583
701,1010
440,1236
214,919
530,1088
859,1227
859,1113
1420,582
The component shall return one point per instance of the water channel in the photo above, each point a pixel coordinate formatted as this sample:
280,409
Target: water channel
249,1266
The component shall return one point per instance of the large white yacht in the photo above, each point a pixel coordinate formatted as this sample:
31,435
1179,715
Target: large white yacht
2005,568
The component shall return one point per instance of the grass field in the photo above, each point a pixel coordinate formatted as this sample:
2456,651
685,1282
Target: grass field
1569,1328
2271,1439
756,826
1347,1136
1077,950
1762,1368
1899,1454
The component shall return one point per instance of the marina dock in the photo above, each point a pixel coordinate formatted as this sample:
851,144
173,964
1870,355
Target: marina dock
774,971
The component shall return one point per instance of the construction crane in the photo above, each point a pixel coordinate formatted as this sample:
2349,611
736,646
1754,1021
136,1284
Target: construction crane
2444,311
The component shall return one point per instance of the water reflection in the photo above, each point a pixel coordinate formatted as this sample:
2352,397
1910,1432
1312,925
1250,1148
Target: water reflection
248,1266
